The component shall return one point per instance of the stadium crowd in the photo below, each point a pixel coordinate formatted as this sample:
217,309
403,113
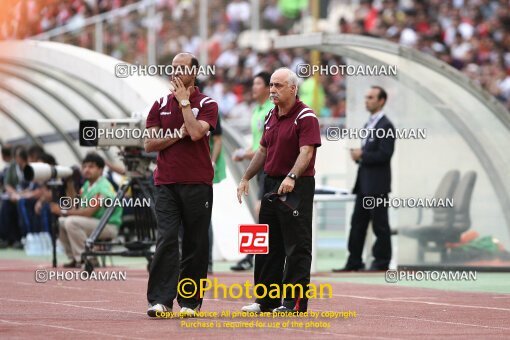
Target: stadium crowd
471,35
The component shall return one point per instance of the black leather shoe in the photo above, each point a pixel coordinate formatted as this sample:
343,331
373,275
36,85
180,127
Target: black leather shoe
17,245
242,265
283,310
378,269
72,264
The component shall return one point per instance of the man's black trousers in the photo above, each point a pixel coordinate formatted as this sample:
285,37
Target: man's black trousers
191,206
381,249
290,245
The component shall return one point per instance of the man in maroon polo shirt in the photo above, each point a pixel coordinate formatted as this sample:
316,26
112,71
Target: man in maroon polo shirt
287,153
183,179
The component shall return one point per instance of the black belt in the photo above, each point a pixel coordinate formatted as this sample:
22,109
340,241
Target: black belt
280,178
276,178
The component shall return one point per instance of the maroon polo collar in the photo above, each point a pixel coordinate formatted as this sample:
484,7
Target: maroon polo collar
292,112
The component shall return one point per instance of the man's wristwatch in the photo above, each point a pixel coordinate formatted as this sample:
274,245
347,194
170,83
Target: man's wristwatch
292,175
184,102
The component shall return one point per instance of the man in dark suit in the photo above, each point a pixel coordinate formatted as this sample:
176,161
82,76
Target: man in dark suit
373,180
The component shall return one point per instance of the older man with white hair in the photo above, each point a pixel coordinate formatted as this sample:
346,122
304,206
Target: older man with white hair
287,153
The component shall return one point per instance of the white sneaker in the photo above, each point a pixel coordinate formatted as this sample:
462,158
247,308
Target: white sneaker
154,311
188,312
254,308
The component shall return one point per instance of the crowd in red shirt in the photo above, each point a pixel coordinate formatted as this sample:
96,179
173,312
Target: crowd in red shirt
471,35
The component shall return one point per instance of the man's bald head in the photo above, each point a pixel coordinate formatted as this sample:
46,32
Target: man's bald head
186,57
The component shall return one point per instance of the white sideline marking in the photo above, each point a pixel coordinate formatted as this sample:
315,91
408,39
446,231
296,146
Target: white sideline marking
402,300
70,305
401,317
49,285
414,297
436,321
67,328
126,311
423,302
77,301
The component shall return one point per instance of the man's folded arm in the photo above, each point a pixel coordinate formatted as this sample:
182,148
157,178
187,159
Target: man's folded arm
158,144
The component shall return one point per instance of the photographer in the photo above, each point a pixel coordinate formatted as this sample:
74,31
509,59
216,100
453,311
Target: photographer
78,223
42,207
